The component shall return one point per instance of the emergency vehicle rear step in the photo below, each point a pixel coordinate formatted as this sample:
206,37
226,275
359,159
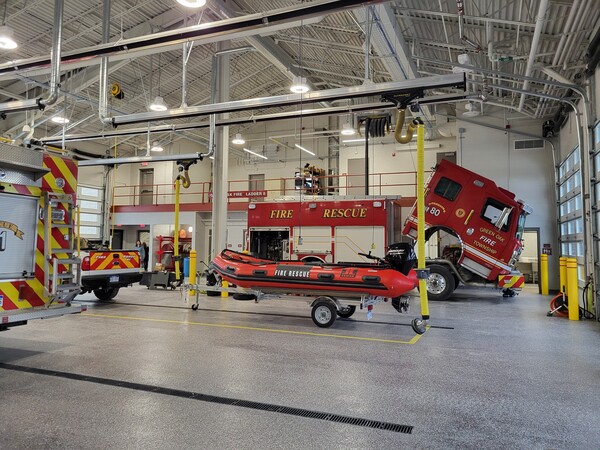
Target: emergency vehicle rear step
68,251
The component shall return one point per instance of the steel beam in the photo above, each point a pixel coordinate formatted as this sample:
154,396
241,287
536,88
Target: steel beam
224,30
137,159
434,82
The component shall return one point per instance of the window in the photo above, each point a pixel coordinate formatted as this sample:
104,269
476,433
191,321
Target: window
571,207
90,201
493,211
447,189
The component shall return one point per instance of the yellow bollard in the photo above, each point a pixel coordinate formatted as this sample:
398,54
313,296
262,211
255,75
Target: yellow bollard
572,289
192,270
544,274
225,284
563,274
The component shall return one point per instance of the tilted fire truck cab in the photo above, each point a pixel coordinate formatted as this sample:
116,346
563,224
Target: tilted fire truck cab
486,220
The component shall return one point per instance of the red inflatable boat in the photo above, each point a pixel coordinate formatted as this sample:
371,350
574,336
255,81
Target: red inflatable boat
389,277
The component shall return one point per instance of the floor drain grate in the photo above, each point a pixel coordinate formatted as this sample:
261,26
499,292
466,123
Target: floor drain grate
357,421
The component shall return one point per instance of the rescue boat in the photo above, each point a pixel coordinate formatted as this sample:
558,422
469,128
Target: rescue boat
389,277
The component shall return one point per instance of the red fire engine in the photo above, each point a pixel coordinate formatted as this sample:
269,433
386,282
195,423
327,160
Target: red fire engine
37,262
320,229
487,223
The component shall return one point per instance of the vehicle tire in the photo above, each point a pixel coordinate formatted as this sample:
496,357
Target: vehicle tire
244,297
105,294
324,313
346,311
440,283
456,281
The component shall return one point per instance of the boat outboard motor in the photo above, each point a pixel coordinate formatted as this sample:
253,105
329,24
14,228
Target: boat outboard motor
401,256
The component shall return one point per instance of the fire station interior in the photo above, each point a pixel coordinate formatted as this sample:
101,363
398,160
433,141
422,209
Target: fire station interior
351,224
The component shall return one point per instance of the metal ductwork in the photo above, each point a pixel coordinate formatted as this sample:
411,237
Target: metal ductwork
55,57
224,30
593,55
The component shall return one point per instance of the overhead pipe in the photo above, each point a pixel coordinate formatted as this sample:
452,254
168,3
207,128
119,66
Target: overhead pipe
138,159
578,24
223,30
539,23
219,122
103,78
432,82
55,57
461,26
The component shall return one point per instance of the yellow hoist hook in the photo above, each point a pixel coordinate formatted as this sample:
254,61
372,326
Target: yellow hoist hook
409,130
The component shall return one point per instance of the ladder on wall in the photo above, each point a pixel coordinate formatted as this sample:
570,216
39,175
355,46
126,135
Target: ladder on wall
62,268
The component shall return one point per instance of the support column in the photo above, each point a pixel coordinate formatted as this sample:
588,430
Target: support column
221,161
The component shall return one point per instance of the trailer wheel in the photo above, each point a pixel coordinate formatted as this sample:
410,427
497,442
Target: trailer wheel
194,307
105,294
418,326
324,313
440,283
346,311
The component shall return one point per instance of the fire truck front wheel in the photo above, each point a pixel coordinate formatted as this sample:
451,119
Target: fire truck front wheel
105,294
440,283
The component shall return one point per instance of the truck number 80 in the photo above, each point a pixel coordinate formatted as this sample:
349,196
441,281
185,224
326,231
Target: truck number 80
433,211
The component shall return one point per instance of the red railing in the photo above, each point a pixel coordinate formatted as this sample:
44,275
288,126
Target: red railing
384,184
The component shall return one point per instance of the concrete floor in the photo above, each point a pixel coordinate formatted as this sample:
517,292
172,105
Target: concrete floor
145,371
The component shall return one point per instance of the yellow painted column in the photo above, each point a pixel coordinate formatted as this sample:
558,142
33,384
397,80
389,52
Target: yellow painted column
544,274
421,218
192,270
563,274
176,236
572,289
225,284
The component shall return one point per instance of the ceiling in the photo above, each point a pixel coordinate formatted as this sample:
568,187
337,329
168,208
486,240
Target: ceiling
408,39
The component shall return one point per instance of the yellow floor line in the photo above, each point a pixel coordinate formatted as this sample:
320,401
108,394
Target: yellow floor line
272,330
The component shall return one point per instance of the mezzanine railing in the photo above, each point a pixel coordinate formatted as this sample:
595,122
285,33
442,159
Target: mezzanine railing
383,184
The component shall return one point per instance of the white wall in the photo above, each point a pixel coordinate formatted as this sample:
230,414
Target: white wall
529,174
393,157
284,158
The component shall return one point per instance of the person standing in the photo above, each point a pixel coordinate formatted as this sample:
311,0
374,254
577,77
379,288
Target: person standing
140,248
146,255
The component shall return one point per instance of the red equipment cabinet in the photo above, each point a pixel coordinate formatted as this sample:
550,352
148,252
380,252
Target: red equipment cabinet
166,249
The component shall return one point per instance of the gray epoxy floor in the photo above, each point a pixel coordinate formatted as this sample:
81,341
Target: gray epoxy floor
490,373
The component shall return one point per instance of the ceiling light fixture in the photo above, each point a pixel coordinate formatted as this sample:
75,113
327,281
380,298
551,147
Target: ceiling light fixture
347,129
156,147
60,119
350,141
6,38
238,140
158,104
255,154
304,149
192,3
299,85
